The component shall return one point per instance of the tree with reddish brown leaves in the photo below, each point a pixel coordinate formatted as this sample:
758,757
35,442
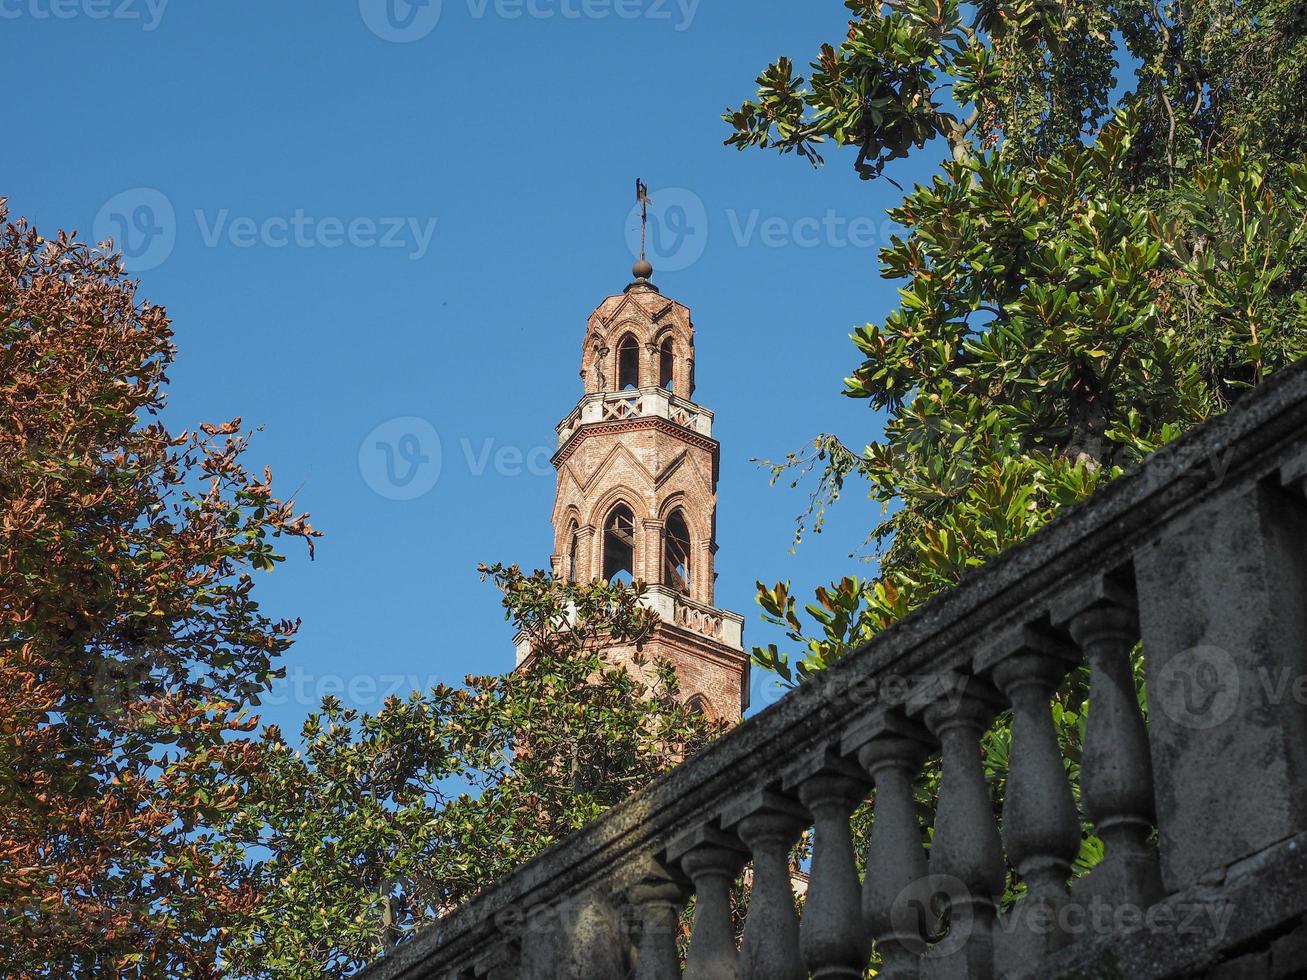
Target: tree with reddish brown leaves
133,646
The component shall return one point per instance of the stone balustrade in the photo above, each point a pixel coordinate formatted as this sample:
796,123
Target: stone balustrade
636,403
675,607
1199,797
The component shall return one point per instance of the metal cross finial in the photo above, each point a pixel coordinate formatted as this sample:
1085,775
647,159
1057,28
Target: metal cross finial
642,196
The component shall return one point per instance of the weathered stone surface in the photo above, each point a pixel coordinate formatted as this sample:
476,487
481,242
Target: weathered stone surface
594,942
1244,912
1223,610
1253,966
1289,952
835,940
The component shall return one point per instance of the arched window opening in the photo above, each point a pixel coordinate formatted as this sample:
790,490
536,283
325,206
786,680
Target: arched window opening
573,552
667,365
698,705
628,363
676,553
619,545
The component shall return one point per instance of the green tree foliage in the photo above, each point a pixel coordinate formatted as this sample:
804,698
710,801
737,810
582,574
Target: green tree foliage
382,823
1088,275
1037,75
1093,270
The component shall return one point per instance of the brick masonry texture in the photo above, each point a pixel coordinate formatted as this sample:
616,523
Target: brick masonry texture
655,467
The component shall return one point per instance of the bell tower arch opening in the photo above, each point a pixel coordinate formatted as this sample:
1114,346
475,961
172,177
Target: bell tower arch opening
667,364
619,545
677,552
628,362
572,567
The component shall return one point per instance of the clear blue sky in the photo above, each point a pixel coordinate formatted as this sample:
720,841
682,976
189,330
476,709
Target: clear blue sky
378,213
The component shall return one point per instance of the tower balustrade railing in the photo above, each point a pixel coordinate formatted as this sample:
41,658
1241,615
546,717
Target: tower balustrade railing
618,406
676,607
1193,797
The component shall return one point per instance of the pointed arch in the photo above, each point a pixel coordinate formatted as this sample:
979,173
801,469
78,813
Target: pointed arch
678,552
593,373
673,347
667,364
628,362
619,544
571,557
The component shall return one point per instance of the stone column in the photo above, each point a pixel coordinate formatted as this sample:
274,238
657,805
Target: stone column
500,963
895,893
649,557
1041,829
966,853
712,859
1116,777
649,366
770,824
588,556
658,898
704,584
541,944
835,941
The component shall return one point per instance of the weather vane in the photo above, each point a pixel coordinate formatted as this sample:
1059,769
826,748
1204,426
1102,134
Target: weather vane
642,196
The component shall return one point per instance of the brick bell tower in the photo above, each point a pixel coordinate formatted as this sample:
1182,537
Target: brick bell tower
637,489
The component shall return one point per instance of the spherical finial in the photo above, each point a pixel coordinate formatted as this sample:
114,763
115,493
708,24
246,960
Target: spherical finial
642,269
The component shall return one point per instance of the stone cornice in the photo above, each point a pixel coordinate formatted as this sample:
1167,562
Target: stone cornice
617,427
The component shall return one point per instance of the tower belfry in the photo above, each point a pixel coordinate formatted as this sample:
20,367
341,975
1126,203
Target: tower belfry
637,489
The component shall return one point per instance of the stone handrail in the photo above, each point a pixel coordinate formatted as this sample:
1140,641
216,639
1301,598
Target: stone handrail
1201,554
635,403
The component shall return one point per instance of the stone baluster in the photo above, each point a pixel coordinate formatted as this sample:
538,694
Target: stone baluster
769,824
966,854
1041,830
595,945
833,938
658,898
541,946
500,963
892,750
1116,778
712,859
